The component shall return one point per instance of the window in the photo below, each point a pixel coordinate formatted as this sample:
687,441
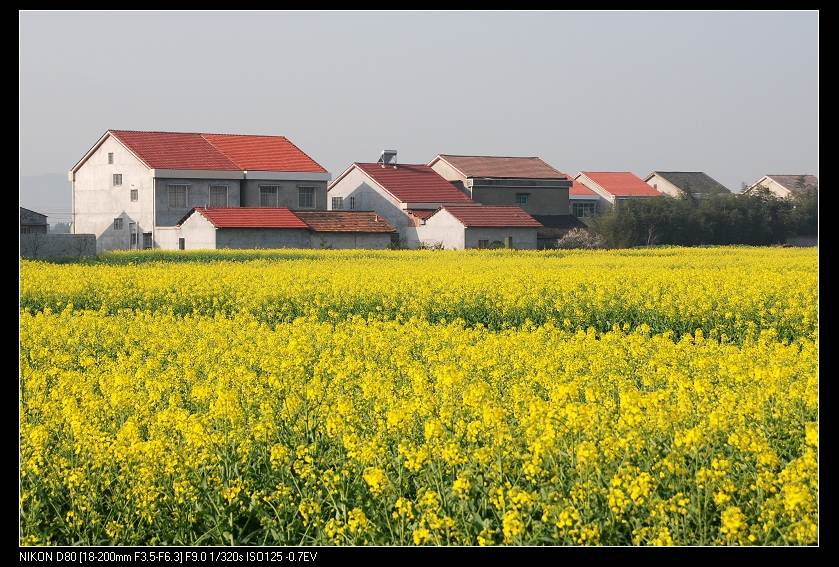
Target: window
508,242
337,203
177,196
521,198
117,179
268,195
352,202
134,194
110,157
132,231
181,244
218,196
117,224
306,197
483,244
581,210
146,240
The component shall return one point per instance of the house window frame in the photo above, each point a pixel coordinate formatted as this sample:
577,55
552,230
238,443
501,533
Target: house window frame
118,223
110,158
170,187
522,198
300,190
276,193
226,196
148,242
483,244
351,200
114,178
132,235
591,207
134,195
339,201
181,243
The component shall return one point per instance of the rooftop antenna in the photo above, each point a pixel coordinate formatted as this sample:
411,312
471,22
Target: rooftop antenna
388,157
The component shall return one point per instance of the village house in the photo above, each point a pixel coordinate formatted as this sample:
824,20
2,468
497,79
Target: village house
456,227
584,202
683,183
32,222
615,187
132,188
784,186
238,227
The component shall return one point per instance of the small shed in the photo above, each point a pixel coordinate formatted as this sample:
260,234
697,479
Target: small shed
348,229
235,227
32,222
480,226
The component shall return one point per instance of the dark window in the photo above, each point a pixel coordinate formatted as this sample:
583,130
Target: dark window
218,196
146,240
581,210
177,196
117,179
306,197
117,224
352,202
521,198
134,194
132,231
181,244
110,157
508,242
337,203
483,244
268,195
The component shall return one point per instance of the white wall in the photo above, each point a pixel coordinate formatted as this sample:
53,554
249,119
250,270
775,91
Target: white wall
661,185
97,202
198,233
443,227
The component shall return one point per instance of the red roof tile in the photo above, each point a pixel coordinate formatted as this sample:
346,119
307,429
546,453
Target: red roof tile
503,167
421,213
621,183
345,221
237,217
414,183
222,152
263,153
580,190
492,216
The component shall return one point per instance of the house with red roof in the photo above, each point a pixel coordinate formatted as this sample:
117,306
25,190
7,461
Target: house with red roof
613,187
404,194
133,187
584,202
483,226
279,227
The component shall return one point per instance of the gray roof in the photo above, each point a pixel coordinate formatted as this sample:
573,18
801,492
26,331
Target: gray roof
28,216
694,182
794,182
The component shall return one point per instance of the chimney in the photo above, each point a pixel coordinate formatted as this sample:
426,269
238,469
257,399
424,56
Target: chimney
388,157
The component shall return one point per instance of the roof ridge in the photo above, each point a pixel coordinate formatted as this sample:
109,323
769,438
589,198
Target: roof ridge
483,156
202,134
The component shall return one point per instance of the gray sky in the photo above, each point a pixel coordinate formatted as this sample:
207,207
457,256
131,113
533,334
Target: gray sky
731,94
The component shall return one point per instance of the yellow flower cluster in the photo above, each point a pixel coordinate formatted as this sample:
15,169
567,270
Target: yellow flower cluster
495,398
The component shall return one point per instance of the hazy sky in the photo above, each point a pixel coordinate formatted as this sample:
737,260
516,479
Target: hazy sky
731,94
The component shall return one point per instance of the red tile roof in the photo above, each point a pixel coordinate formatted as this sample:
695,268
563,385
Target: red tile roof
492,216
503,167
345,221
237,217
223,152
621,183
263,153
580,190
414,183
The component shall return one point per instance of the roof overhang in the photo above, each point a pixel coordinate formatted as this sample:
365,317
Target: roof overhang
227,174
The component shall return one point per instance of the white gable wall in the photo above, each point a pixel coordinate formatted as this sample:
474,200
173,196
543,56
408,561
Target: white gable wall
661,185
443,227
96,202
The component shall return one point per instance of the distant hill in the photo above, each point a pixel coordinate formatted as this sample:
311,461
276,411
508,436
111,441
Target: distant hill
48,194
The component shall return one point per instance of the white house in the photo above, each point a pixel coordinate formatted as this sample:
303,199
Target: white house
456,227
784,186
131,188
682,183
614,187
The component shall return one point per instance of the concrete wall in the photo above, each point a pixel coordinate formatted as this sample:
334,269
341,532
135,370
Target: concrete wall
262,238
57,246
344,240
198,233
370,197
442,227
287,195
523,238
96,202
541,200
197,195
167,237
661,185
449,173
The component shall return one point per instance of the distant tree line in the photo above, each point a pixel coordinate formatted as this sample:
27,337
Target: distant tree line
755,218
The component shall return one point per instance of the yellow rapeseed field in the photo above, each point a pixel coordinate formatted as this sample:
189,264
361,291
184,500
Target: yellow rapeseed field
658,396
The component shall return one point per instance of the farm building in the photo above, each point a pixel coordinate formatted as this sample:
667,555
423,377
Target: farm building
584,202
784,186
480,226
32,222
404,194
682,183
131,188
237,227
614,187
